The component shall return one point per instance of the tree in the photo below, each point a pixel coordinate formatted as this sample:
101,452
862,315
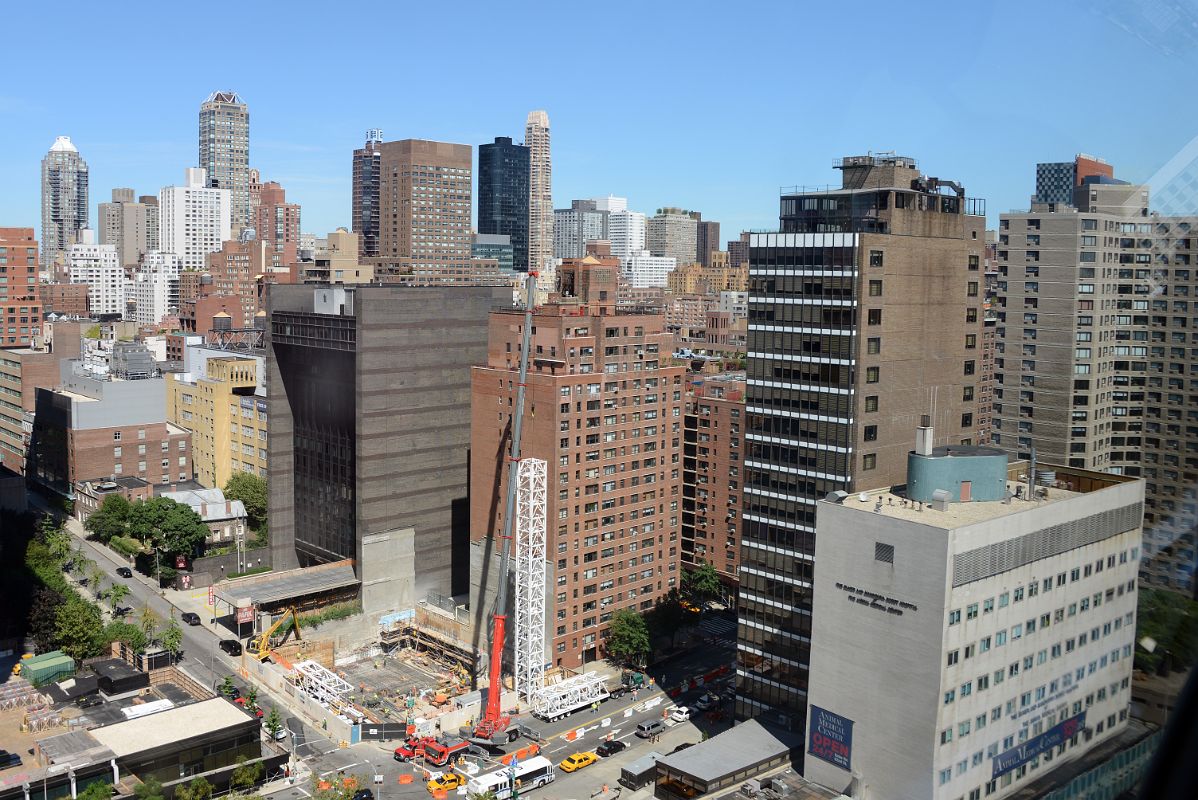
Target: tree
273,723
250,489
668,616
116,593
198,789
172,637
96,790
226,686
80,563
246,773
110,519
173,528
79,629
487,795
148,621
95,579
701,584
43,619
629,637
251,696
130,634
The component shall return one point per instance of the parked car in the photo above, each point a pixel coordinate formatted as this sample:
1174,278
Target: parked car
608,749
680,714
87,701
231,646
707,702
124,572
363,794
190,617
577,761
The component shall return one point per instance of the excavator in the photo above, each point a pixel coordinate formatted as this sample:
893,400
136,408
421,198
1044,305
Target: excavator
494,726
260,645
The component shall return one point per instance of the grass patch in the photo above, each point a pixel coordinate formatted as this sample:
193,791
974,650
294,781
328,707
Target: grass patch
254,571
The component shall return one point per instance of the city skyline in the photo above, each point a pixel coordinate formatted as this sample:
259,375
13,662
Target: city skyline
593,153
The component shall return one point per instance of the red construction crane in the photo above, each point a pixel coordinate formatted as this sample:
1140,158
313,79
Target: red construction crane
494,723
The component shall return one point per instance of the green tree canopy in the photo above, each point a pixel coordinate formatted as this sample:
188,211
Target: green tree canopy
198,789
127,632
172,637
43,619
116,593
701,584
171,526
246,773
629,637
79,629
273,723
250,489
149,789
110,519
96,790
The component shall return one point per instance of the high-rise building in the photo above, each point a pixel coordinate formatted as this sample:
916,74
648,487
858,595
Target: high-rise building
672,232
368,390
1093,333
98,266
1056,181
366,199
495,247
712,472
610,203
154,288
125,223
540,195
225,152
970,639
503,186
738,250
277,222
193,219
573,227
845,356
707,240
644,270
215,399
604,410
626,232
423,201
64,197
20,300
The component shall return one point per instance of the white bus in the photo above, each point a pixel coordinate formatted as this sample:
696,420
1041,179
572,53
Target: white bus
531,774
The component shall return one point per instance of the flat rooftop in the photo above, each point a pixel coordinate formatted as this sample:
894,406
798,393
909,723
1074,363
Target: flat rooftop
276,587
157,730
1070,483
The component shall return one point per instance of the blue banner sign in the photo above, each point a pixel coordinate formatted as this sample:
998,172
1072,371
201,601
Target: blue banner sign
830,737
1053,737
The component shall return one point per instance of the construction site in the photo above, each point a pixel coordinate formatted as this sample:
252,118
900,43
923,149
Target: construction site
416,672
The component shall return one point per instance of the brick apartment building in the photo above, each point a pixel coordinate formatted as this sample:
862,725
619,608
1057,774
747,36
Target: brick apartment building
712,473
604,410
22,371
20,304
65,299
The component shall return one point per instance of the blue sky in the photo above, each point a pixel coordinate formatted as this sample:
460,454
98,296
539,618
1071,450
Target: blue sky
710,106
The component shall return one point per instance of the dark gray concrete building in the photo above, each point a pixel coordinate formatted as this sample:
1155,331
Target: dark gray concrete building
368,392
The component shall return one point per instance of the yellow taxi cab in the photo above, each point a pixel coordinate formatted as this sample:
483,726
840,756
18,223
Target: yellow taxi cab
577,761
447,782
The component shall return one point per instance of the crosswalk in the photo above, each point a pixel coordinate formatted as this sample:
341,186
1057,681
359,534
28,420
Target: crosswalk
720,627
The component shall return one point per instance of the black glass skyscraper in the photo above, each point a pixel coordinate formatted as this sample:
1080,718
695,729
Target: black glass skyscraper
503,170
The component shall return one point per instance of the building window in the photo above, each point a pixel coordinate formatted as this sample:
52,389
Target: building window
884,552
973,262
871,433
969,367
116,436
873,374
972,289
875,288
971,341
875,316
967,393
971,315
871,403
966,420
869,461
875,258
873,345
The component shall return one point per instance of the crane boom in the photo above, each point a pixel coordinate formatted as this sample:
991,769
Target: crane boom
494,721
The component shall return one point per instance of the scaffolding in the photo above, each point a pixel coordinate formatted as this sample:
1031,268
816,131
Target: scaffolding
322,685
530,577
576,692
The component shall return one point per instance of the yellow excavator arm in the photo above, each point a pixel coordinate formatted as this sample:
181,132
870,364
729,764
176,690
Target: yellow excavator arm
260,645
